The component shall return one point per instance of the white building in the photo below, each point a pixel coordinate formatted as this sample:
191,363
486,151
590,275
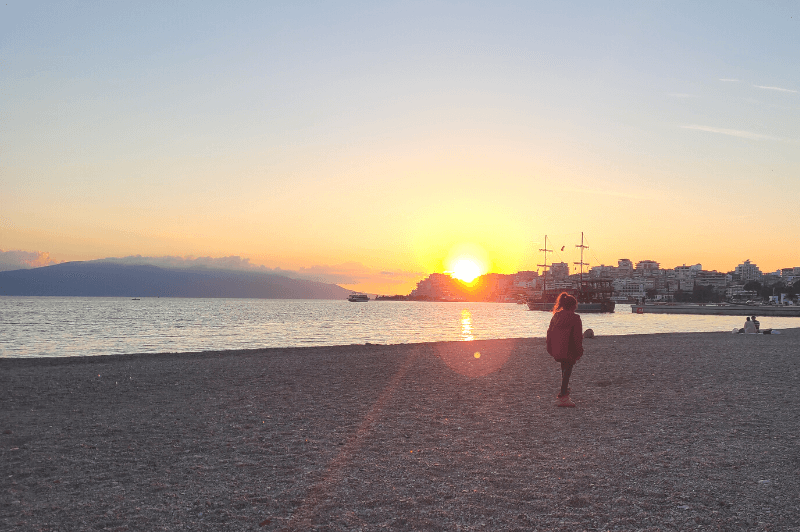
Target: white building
634,288
625,268
718,281
559,270
647,268
602,272
737,292
748,272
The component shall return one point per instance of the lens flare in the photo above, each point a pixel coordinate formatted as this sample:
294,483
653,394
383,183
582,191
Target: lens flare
466,270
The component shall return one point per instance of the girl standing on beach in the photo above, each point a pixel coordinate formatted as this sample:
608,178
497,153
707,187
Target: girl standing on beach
565,341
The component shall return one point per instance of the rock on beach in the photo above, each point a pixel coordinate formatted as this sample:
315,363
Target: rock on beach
671,432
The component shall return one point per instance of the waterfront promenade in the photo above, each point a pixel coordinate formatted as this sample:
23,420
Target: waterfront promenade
671,432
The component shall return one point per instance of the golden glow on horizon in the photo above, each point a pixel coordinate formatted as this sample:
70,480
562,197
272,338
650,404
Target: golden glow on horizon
437,173
466,262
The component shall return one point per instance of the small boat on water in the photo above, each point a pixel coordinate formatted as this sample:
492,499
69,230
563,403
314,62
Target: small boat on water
357,297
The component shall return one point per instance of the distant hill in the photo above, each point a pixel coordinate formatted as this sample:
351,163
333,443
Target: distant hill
104,279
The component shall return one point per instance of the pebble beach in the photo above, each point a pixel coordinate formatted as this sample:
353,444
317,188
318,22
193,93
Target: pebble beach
688,431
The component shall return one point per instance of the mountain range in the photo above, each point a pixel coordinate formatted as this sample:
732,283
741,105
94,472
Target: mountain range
105,279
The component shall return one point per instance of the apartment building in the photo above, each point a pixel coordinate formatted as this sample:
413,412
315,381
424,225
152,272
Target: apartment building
748,272
647,268
633,287
718,281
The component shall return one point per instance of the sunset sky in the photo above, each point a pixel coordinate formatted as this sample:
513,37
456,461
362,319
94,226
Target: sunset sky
372,143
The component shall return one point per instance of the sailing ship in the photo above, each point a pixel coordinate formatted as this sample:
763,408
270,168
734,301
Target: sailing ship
593,295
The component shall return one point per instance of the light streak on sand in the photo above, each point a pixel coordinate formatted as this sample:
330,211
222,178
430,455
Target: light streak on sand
321,490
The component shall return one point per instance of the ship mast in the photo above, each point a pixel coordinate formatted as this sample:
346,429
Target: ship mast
546,251
581,262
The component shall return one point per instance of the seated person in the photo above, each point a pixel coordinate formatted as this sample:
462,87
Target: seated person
749,327
756,323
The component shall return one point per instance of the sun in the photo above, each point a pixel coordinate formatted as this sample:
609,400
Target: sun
465,270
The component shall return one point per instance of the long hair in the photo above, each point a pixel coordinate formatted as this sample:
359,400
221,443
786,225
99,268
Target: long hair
565,302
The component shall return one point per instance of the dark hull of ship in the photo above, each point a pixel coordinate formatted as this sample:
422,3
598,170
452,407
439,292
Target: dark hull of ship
583,308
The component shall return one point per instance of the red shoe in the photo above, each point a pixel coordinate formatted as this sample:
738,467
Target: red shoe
565,401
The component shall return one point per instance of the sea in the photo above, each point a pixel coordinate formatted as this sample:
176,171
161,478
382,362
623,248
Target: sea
90,326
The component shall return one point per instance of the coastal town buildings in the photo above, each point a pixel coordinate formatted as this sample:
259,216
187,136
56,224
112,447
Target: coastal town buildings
645,279
437,286
790,275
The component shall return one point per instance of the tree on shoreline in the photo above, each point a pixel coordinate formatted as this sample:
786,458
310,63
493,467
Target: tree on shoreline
705,294
752,286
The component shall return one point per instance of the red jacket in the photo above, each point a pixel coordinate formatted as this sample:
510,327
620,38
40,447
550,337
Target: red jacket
565,336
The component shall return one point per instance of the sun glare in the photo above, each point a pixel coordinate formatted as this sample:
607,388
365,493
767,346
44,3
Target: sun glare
466,270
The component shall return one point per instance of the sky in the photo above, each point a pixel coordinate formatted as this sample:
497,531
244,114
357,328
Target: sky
372,143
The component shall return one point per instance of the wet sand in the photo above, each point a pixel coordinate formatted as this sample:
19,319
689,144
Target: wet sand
671,432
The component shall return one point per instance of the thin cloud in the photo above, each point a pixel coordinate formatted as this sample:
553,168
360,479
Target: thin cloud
729,79
779,89
732,132
598,192
614,193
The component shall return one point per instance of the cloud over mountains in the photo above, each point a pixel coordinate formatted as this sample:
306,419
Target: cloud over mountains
346,273
232,262
18,260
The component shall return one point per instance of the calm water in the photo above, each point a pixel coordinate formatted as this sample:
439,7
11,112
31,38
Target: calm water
76,326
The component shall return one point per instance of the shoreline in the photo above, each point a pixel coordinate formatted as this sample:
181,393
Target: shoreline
251,351
79,327
671,430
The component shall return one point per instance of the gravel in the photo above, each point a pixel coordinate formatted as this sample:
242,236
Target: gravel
695,431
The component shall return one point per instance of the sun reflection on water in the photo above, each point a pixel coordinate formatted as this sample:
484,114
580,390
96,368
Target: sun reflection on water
466,326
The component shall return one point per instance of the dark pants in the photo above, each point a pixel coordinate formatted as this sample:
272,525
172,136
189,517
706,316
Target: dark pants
566,371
